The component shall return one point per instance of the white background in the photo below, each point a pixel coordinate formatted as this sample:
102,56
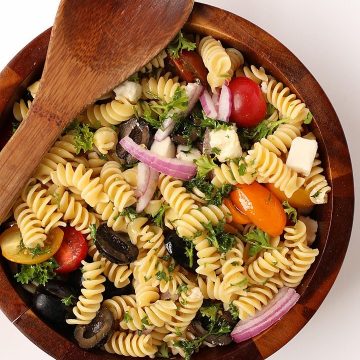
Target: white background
324,34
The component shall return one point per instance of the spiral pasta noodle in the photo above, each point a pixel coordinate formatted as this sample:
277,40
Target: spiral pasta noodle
130,344
216,60
112,216
91,189
230,173
286,102
176,195
64,150
255,74
145,294
118,190
73,210
273,170
189,224
112,113
236,58
39,201
156,63
163,88
157,314
119,275
95,163
295,235
280,141
302,257
317,185
91,293
105,139
32,232
21,109
118,305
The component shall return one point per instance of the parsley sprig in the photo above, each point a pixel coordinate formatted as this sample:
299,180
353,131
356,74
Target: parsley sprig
217,237
204,164
290,211
84,136
158,218
179,44
258,240
68,301
39,273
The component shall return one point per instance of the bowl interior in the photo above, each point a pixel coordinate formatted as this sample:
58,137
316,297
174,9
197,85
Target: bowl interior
335,218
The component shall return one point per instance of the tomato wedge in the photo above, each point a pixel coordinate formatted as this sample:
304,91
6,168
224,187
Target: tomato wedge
72,251
189,66
10,246
300,198
261,207
237,216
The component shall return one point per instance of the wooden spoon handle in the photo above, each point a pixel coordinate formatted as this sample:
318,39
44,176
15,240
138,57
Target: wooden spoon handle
38,132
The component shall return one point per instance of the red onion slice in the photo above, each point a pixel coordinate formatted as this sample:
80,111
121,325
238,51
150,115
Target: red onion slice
215,99
143,173
269,315
208,105
149,192
176,168
225,104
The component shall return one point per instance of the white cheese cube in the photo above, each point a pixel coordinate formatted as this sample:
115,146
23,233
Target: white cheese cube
302,155
187,153
164,148
130,90
227,144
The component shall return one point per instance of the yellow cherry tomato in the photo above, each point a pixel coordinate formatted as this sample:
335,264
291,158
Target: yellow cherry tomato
10,246
300,198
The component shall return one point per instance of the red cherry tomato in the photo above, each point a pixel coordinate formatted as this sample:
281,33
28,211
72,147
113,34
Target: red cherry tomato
72,251
248,105
189,66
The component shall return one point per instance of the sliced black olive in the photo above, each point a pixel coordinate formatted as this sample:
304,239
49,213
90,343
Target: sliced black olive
111,290
181,251
115,246
51,309
97,332
139,131
56,288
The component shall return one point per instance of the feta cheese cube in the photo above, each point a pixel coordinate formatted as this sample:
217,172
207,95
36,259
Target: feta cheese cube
302,155
164,148
187,153
227,143
130,90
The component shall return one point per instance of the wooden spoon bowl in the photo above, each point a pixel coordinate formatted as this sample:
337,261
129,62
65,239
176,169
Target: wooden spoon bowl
335,218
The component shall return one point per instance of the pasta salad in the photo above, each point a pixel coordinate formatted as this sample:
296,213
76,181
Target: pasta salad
175,212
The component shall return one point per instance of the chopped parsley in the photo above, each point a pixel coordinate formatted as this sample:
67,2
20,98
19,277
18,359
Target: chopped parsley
69,301
158,218
183,288
84,137
242,168
309,118
179,44
127,317
217,326
93,230
234,311
130,213
39,273
161,275
134,78
189,252
258,241
145,322
217,237
163,351
209,123
204,164
290,211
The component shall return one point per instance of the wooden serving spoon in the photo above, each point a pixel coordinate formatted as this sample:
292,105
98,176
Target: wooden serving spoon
94,46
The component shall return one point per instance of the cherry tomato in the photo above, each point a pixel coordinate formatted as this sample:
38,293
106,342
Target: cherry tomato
10,246
300,198
72,251
189,66
261,207
237,216
248,105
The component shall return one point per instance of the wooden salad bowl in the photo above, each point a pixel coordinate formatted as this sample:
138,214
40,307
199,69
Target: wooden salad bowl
335,218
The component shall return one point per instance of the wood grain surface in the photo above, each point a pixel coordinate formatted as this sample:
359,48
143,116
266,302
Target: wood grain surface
90,47
335,218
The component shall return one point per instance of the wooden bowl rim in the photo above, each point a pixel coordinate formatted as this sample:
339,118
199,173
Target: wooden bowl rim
212,20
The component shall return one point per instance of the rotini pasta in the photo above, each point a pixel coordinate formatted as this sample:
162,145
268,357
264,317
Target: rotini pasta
105,139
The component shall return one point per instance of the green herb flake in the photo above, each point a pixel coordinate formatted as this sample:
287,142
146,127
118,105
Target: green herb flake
217,237
68,301
183,288
127,317
242,168
39,273
309,118
258,241
234,311
161,275
130,213
93,230
242,284
158,218
163,351
290,211
204,164
178,331
179,44
145,322
189,252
